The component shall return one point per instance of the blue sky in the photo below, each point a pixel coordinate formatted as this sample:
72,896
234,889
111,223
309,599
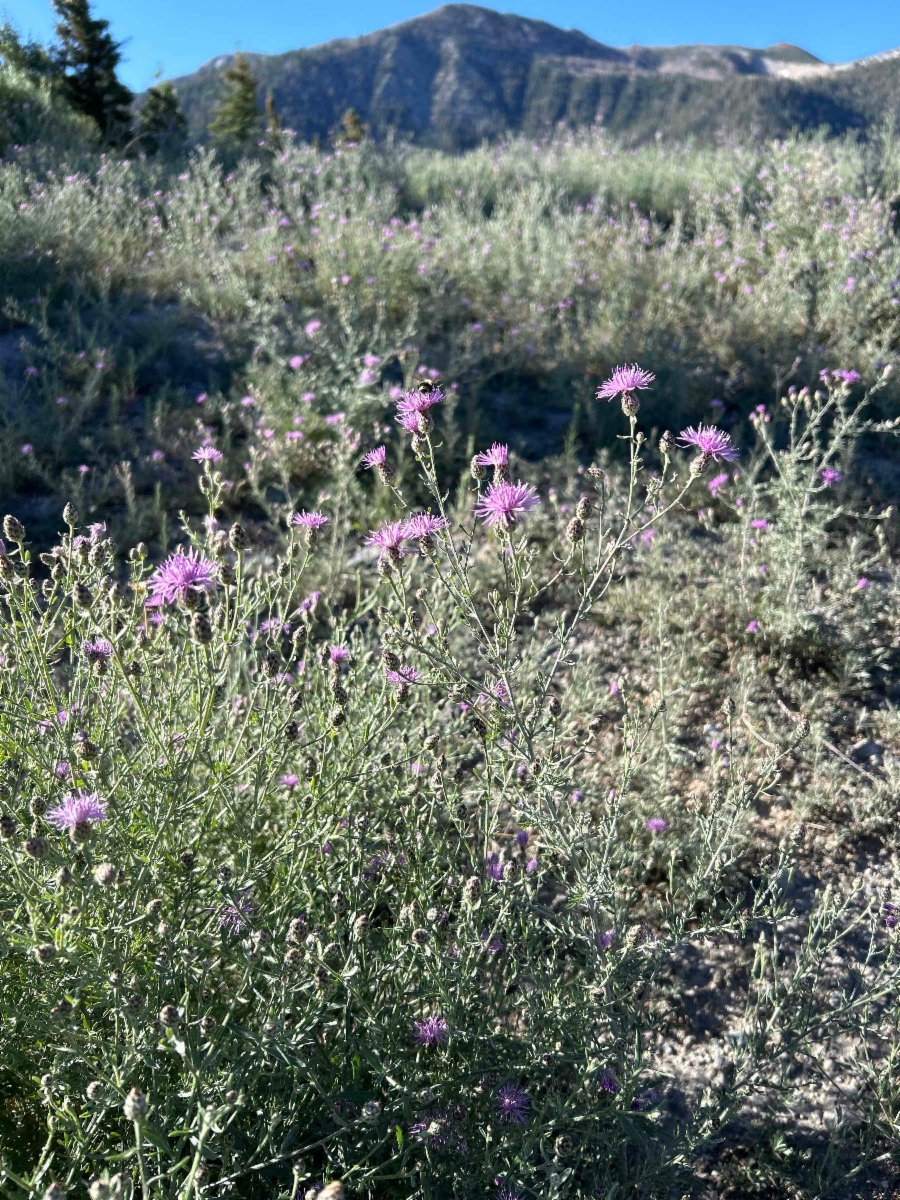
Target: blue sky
179,35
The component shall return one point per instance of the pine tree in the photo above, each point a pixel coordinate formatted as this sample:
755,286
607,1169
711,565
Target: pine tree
236,120
274,140
31,58
88,57
352,128
163,127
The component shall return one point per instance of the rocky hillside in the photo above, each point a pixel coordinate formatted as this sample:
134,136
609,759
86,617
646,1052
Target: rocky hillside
461,74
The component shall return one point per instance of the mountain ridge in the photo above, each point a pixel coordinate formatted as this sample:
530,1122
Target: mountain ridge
461,74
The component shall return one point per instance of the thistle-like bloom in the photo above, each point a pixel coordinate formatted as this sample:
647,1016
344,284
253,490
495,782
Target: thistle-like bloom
513,1104
179,576
623,380
310,602
830,477
412,410
607,1082
503,503
497,456
404,676
235,917
389,539
309,520
207,454
892,915
97,651
709,440
494,867
338,654
424,525
288,781
656,824
77,809
375,458
431,1032
716,484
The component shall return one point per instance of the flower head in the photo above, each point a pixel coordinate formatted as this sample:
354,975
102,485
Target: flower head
309,520
375,458
288,781
403,676
424,525
97,651
431,1032
513,1104
235,917
497,456
179,576
389,539
207,454
709,440
76,809
338,654
494,867
716,484
625,379
310,602
412,409
656,824
830,477
504,503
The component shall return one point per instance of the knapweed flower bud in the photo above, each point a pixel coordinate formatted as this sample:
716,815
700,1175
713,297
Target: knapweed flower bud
728,706
201,630
7,827
331,1191
336,718
168,1016
360,927
62,1008
154,907
106,874
292,732
700,463
271,665
70,515
390,659
584,507
555,706
13,529
419,444
476,469
7,570
135,1107
208,1027
36,847
575,530
803,728
45,953
81,832
55,1191
94,1090
471,889
82,595
630,404
667,443
188,859
339,692
227,575
297,930
63,876
421,937
237,538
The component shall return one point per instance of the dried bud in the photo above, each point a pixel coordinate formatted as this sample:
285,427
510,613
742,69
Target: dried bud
729,707
13,529
227,575
201,630
293,957
7,826
667,444
360,927
70,515
296,933
45,953
584,507
37,847
270,665
94,1090
555,706
336,718
63,876
188,859
421,937
575,530
106,874
135,1107
339,692
292,732
82,595
700,463
168,1016
237,538
471,889
208,1027
62,1008
803,728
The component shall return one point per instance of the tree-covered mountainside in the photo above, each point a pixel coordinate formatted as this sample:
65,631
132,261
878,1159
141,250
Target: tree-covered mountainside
462,73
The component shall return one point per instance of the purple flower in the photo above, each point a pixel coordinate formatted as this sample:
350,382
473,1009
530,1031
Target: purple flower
513,1104
625,379
375,458
716,484
656,824
338,654
505,1192
607,1082
863,585
709,440
389,539
297,362
179,576
847,377
404,676
424,525
504,503
753,627
312,328
607,938
497,456
830,477
494,867
522,837
61,770
27,448
76,809
97,652
644,1101
310,602
892,920
412,407
207,454
309,520
759,523
431,1032
288,781
235,917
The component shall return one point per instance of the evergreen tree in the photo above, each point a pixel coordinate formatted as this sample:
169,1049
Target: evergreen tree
274,140
162,126
236,121
88,57
31,58
352,128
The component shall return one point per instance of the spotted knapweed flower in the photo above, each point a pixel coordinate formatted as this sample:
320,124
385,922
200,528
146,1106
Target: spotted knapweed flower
403,676
375,458
180,576
423,525
311,328
656,824
412,409
310,602
338,654
505,1192
625,379
513,1104
98,651
709,440
431,1032
288,781
503,503
389,539
309,520
497,456
716,484
207,454
77,809
830,477
607,1082
494,867
892,917
235,917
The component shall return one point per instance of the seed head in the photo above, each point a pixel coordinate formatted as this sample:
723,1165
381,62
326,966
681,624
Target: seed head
584,507
7,827
168,1016
45,953
135,1107
728,706
201,630
36,847
575,530
292,732
13,529
106,874
360,927
70,515
82,595
471,889
555,706
237,538
55,1191
667,444
94,1090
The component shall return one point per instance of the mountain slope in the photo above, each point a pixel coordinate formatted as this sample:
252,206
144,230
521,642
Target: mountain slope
461,74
